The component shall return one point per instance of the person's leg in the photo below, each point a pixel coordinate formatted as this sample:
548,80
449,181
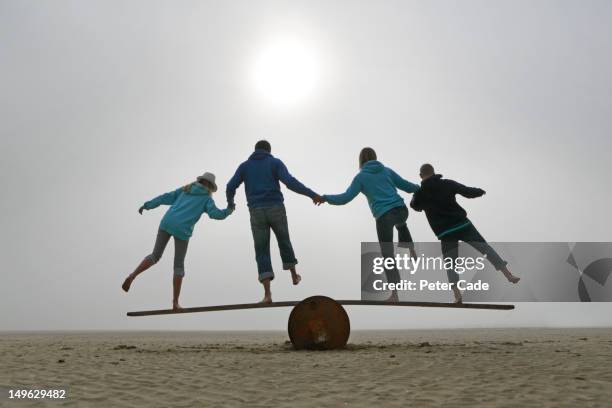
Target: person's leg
384,230
404,237
158,249
279,224
261,240
180,251
471,235
450,249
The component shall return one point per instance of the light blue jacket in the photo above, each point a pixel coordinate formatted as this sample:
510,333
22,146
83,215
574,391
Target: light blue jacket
379,184
186,208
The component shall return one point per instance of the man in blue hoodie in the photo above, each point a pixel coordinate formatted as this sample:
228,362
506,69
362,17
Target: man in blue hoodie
261,174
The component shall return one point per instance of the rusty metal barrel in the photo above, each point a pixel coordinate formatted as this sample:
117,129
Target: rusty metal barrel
319,323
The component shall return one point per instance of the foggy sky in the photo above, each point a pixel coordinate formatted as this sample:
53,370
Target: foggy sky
106,104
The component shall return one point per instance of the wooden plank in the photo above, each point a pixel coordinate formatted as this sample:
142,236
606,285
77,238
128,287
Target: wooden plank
243,306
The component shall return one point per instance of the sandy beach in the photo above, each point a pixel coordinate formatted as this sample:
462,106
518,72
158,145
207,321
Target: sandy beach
459,368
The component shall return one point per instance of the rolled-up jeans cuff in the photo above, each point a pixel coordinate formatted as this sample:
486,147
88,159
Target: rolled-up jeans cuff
289,265
179,272
266,275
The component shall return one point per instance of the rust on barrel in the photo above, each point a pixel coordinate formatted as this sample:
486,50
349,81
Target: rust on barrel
319,323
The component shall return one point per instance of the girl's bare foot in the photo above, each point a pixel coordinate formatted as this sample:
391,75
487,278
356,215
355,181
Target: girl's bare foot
127,283
266,299
394,298
296,278
175,305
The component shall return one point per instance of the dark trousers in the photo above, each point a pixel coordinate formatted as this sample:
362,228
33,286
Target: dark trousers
394,218
470,235
262,221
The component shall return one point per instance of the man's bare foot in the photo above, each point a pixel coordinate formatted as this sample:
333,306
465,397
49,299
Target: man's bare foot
296,278
266,299
176,306
457,293
513,279
127,283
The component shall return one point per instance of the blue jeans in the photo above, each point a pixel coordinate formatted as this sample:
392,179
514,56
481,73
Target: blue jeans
262,221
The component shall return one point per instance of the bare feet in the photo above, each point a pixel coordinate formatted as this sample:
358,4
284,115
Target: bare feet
175,305
266,299
394,298
296,278
457,293
511,278
127,283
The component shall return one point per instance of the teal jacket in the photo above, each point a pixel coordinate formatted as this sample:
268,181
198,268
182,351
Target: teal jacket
379,184
186,208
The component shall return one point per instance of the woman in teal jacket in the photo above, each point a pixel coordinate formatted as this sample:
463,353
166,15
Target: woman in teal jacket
187,204
379,184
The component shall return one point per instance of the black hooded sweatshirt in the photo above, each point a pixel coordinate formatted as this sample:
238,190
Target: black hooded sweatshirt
437,198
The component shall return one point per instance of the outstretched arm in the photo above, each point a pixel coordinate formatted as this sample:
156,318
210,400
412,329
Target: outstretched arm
467,192
291,182
232,186
416,203
215,213
341,199
403,184
164,199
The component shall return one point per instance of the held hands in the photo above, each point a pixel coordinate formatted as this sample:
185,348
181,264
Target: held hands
318,200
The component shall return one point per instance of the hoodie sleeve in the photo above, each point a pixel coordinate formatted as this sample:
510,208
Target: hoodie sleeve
164,199
215,213
291,182
416,203
467,192
401,183
347,196
232,186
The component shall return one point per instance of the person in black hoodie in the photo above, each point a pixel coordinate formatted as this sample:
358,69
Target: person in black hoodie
449,221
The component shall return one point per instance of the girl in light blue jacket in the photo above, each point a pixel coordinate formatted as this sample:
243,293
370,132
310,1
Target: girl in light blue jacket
379,184
187,204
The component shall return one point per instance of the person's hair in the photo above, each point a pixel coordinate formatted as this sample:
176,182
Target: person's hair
208,185
427,170
205,183
264,145
366,154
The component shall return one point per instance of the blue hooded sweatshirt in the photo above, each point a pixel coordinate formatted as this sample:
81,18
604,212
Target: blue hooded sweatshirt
186,208
378,183
260,174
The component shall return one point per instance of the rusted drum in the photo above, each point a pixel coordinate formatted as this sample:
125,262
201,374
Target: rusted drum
319,323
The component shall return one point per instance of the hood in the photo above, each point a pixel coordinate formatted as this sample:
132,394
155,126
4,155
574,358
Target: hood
435,177
373,166
198,189
259,154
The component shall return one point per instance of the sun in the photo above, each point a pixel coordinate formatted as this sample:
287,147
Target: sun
285,73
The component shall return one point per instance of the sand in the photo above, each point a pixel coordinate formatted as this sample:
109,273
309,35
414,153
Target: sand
453,368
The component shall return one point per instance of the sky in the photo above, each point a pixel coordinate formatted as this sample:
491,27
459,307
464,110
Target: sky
106,104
